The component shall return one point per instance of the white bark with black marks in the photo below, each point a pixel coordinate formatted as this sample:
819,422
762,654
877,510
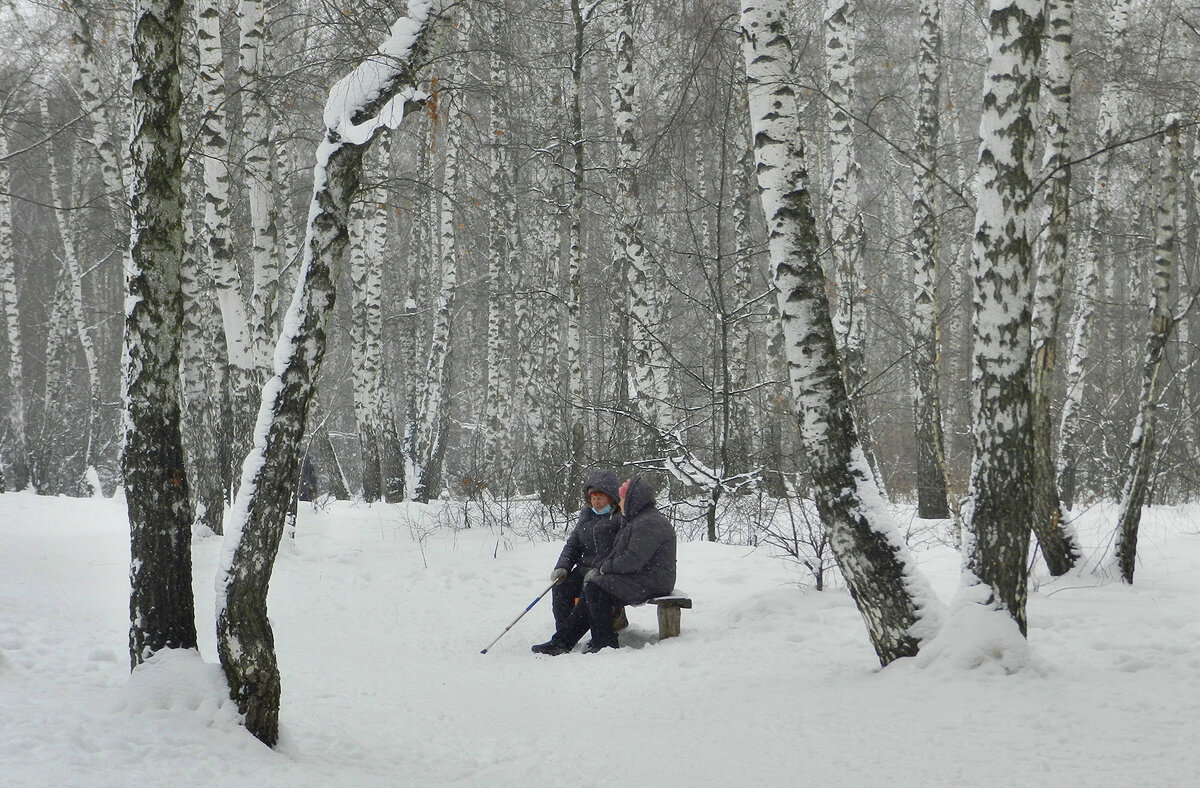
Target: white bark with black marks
1141,442
379,92
161,607
1000,493
894,601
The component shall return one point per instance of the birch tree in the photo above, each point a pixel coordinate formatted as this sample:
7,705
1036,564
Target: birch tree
1099,211
892,598
932,485
647,368
217,257
1000,492
380,92
847,234
65,204
427,439
501,254
582,13
17,450
95,104
1141,442
161,607
1058,544
372,405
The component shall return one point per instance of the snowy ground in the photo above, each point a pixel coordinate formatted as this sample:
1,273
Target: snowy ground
771,684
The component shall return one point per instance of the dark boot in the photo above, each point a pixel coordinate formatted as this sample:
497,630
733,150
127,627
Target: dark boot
600,608
594,647
552,647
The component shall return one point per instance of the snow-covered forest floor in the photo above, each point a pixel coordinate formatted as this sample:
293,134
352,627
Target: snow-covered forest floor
379,620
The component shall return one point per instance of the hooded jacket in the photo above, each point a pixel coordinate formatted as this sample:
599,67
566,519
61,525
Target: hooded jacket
642,562
592,538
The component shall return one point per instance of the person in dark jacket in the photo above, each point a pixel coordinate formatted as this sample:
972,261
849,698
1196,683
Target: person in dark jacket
586,547
640,566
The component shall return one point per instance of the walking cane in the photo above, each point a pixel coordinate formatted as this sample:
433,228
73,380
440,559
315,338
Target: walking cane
523,612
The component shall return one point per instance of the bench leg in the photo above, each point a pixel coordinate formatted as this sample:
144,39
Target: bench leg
668,621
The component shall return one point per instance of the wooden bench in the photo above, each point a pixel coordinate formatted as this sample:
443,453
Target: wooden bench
669,608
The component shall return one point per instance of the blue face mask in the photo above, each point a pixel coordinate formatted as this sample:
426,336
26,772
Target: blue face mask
603,511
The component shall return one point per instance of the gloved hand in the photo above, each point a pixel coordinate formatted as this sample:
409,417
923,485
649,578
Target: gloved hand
557,574
591,575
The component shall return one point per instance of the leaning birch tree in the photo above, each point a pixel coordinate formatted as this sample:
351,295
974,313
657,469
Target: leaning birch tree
161,606
1141,442
380,92
998,517
891,596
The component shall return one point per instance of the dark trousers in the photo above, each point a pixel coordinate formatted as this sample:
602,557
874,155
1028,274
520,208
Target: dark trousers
563,597
595,612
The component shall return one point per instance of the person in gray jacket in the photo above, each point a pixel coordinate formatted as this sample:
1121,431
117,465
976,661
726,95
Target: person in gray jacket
640,566
587,546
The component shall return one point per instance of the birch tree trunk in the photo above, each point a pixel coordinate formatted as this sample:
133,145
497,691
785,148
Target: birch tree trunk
932,484
581,15
1141,443
17,450
872,556
1002,471
428,442
65,204
217,257
161,607
1058,544
382,90
646,368
1088,281
368,232
246,309
845,216
95,104
203,384
500,252
366,319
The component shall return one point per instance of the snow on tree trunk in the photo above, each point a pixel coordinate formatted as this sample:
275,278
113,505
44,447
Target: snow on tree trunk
380,91
16,454
1002,472
1057,542
891,596
932,484
1111,120
161,607
1141,443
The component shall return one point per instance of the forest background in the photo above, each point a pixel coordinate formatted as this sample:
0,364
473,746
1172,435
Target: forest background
558,263
466,266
